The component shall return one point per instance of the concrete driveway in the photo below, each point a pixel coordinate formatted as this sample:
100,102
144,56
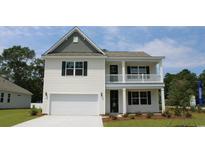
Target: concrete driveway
63,121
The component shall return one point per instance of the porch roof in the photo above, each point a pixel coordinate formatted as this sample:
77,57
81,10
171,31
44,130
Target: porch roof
134,85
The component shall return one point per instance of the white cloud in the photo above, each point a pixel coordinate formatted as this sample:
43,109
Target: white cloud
28,31
1,48
177,55
114,40
18,31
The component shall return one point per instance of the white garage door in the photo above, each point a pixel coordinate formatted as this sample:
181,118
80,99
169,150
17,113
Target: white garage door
74,104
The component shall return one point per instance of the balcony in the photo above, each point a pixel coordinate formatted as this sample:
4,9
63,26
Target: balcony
133,78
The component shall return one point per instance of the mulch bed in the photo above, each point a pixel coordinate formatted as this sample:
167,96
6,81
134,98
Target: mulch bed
140,117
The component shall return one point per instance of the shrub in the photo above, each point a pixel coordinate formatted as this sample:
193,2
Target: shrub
125,115
177,112
39,111
149,115
131,116
167,114
199,109
138,114
33,111
188,115
193,109
113,117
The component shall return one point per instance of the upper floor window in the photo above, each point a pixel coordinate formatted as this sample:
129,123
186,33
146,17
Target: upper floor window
2,98
69,68
9,98
77,68
138,70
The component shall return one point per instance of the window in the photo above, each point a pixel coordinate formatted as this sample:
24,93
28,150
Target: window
138,70
69,68
134,70
9,98
74,68
142,70
136,98
143,98
78,68
2,98
75,39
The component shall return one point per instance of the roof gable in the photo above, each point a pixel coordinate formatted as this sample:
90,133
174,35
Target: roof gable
66,44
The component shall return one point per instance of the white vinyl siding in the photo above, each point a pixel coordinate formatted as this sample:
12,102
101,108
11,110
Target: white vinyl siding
17,100
93,83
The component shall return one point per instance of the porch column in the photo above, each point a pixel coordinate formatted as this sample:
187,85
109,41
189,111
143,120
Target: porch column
124,99
162,100
161,71
123,71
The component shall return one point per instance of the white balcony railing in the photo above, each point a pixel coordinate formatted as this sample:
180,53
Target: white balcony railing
114,78
132,78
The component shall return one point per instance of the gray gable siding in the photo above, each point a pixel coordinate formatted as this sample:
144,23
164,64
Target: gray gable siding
83,46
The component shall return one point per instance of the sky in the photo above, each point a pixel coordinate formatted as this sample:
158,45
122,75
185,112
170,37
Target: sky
183,47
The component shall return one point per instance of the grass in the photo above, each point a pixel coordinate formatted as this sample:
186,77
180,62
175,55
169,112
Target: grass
12,117
198,119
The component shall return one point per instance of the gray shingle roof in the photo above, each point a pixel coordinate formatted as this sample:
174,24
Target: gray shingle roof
75,54
107,53
6,85
126,54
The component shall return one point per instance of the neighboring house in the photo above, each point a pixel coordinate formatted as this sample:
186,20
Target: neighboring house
13,96
82,79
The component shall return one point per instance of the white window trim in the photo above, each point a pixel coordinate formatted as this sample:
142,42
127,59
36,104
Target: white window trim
138,69
144,97
80,68
74,68
69,68
147,98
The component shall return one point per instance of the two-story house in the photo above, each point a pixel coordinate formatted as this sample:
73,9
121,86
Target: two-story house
82,79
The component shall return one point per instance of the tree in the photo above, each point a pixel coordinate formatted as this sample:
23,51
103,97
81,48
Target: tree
167,80
202,78
18,64
15,63
191,79
179,93
185,75
37,79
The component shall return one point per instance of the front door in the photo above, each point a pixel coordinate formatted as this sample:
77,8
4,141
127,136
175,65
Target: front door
113,73
114,101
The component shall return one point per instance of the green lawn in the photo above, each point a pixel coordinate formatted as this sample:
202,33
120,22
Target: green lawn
198,119
12,117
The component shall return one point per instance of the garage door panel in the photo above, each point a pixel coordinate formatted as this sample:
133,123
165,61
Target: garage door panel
74,104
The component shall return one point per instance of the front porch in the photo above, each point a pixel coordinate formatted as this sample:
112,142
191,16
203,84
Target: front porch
130,100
